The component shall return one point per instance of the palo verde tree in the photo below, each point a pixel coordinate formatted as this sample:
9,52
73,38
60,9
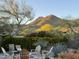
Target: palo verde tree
15,12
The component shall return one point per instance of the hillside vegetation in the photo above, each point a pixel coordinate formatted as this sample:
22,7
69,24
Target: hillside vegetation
50,23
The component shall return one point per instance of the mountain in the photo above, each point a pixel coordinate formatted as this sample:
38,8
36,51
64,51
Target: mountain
50,23
47,23
51,19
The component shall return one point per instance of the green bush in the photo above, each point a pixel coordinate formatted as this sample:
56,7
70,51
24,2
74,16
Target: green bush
29,41
26,43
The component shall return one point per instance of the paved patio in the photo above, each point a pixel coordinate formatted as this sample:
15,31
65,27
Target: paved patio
2,56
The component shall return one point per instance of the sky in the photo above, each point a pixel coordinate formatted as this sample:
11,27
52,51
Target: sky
60,8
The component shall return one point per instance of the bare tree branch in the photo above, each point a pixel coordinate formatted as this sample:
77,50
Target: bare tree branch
16,11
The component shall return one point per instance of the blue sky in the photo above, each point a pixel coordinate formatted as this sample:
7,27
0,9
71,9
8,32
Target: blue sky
60,8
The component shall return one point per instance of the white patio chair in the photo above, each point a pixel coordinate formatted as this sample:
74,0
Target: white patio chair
18,48
38,49
50,50
11,47
7,56
35,54
50,54
5,53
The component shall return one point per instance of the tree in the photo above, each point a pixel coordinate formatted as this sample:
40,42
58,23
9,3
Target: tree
16,13
5,27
